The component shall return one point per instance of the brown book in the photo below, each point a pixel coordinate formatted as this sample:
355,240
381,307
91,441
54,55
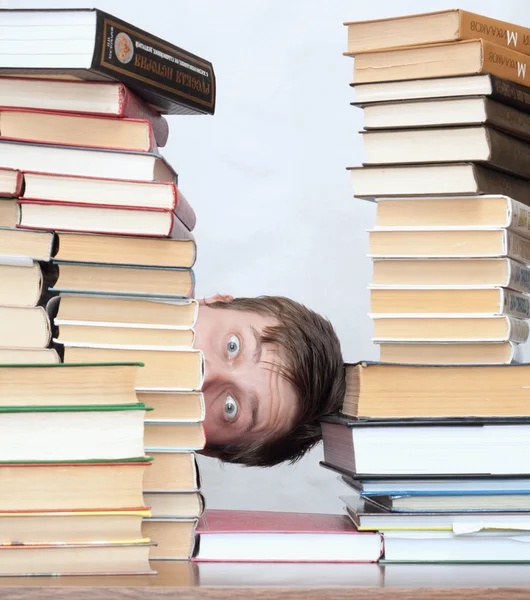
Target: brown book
378,390
172,472
175,504
429,353
432,28
442,60
174,538
451,144
435,179
173,437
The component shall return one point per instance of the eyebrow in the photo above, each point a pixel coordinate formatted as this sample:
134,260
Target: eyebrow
257,352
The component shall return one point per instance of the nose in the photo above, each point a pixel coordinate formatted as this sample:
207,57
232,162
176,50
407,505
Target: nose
215,375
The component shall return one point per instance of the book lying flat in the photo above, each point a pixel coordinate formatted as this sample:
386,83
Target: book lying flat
23,327
80,97
175,538
29,356
378,390
432,28
67,486
172,472
37,245
262,536
25,283
176,407
187,505
173,437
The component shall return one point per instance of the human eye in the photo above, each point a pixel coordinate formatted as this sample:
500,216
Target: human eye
233,346
231,409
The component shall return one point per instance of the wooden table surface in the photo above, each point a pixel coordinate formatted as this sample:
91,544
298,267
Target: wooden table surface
231,581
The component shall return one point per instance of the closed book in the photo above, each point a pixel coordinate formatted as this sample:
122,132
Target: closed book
76,559
450,144
71,433
127,250
84,218
471,301
173,437
107,98
379,390
449,352
175,538
114,310
68,486
441,60
176,407
23,282
37,245
68,385
447,112
123,280
435,179
472,446
444,242
171,79
110,193
8,212
172,472
24,327
451,272
163,370
29,356
88,162
454,212
88,131
11,182
432,28
263,536
165,505
449,328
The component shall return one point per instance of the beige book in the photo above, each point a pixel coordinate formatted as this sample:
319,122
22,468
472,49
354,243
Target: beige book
174,504
24,327
172,472
174,407
173,437
175,538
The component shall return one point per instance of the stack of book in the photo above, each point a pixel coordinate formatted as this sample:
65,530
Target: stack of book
446,139
93,200
71,468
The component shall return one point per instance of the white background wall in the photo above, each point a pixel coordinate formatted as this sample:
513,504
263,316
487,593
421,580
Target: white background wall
266,176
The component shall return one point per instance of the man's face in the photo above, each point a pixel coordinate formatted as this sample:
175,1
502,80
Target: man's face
246,397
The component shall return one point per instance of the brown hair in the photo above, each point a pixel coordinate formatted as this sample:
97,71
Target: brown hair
313,365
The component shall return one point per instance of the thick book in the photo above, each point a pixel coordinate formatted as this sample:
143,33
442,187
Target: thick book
450,144
450,352
446,112
172,472
36,245
473,446
175,538
379,390
412,302
23,327
442,60
262,536
71,433
173,80
179,505
29,356
76,559
501,90
176,407
450,328
88,162
446,242
8,212
68,486
100,310
163,370
89,131
454,212
11,183
72,527
122,280
68,385
24,282
460,179
173,437
110,99
451,272
110,193
127,250
432,28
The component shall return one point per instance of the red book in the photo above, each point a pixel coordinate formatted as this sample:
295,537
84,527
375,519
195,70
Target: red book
266,536
80,97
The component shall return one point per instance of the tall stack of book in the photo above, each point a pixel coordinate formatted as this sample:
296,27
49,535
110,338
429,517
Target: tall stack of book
433,441
71,468
119,283
446,139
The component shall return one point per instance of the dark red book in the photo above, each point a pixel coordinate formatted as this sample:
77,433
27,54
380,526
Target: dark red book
267,536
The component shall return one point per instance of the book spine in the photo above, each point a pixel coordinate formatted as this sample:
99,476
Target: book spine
134,108
507,118
505,63
169,78
519,277
519,218
509,153
515,304
184,211
508,92
517,247
474,27
518,330
179,231
490,181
